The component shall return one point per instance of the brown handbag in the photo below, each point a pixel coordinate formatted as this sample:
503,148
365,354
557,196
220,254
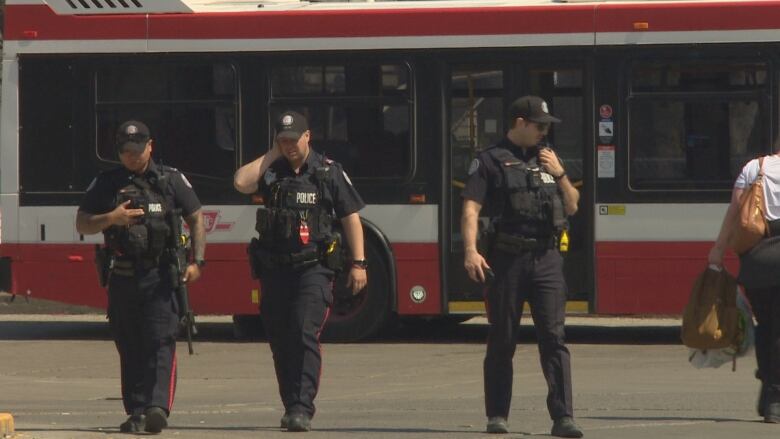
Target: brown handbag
750,226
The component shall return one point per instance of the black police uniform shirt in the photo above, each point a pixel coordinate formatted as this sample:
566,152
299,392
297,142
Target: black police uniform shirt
346,200
485,180
101,193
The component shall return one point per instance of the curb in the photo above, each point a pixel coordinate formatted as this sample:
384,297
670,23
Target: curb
6,425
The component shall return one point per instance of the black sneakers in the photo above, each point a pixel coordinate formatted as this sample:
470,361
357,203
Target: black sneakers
156,420
298,422
566,427
285,421
497,425
133,424
772,413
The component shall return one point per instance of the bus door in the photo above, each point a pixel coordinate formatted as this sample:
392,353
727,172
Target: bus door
475,120
566,87
477,98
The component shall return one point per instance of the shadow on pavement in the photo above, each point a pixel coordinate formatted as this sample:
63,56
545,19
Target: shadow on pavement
406,332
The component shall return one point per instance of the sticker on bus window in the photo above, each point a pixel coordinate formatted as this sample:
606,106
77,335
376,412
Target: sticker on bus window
605,111
606,131
606,161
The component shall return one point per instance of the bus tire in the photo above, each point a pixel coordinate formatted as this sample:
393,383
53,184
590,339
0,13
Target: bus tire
358,317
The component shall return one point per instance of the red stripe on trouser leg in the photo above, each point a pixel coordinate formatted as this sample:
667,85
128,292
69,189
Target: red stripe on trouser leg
319,348
172,386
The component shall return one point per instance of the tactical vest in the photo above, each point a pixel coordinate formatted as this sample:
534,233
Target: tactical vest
150,235
296,206
529,195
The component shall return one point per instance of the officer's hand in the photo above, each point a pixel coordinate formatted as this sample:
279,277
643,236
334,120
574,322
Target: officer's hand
122,216
715,257
550,162
276,151
475,265
357,279
191,274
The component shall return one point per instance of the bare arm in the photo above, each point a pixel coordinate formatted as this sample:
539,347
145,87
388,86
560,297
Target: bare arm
468,224
552,164
197,234
89,224
472,260
353,230
571,196
716,253
198,237
246,178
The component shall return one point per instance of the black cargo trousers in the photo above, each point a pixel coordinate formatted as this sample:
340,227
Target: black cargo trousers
535,276
142,313
294,306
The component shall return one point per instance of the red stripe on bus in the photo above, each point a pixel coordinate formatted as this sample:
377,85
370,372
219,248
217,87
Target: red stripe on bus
25,20
372,23
298,24
49,271
649,277
22,20
688,16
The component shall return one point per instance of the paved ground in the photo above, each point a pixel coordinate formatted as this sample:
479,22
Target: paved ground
59,378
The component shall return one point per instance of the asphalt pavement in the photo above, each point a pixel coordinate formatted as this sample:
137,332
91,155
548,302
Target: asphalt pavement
59,377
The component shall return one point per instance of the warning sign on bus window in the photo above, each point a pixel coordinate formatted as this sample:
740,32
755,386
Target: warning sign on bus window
606,161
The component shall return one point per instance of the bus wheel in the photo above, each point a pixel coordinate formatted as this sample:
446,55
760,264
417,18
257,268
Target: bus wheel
247,326
357,317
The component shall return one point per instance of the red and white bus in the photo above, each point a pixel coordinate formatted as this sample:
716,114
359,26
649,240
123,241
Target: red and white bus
662,103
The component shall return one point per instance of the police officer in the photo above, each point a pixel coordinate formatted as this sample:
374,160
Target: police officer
528,196
134,206
296,253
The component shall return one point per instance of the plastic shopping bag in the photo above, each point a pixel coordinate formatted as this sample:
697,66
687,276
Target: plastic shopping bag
714,358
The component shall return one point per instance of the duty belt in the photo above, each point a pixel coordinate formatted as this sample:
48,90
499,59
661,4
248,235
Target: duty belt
294,260
517,244
129,267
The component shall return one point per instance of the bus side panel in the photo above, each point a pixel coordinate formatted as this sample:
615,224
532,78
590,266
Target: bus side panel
649,277
61,272
417,266
66,273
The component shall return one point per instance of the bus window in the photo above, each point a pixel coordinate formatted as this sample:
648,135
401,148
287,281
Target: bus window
692,126
476,115
476,122
357,113
563,89
189,107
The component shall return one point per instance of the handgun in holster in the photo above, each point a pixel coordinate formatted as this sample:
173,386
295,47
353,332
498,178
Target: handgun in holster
255,261
332,253
103,264
486,238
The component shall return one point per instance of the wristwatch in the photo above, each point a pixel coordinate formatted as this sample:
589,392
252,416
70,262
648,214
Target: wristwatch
360,263
199,262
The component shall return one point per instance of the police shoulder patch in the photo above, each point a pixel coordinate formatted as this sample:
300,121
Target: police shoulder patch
186,182
473,166
269,177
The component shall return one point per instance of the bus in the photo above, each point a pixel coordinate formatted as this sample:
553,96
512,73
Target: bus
662,103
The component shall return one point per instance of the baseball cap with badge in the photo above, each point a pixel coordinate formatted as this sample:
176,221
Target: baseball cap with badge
531,108
132,136
291,125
